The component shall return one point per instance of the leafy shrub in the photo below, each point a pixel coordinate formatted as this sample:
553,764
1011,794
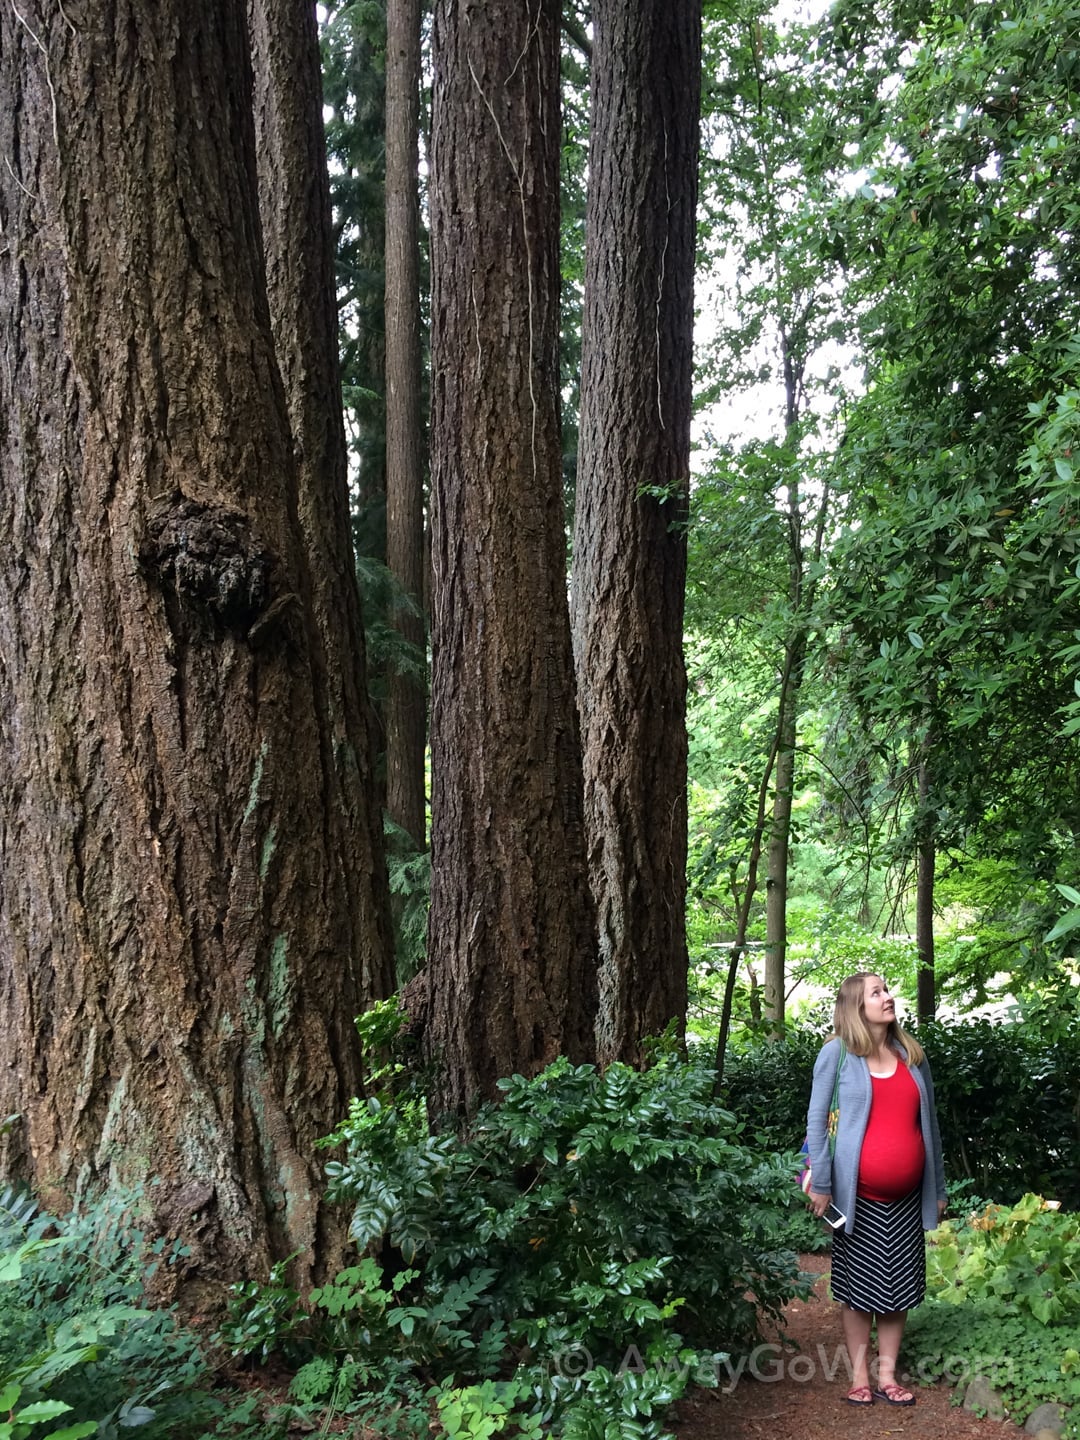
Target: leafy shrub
767,1088
1007,1105
1008,1101
585,1218
266,1319
533,1271
1026,1257
1003,1301
76,1344
585,1190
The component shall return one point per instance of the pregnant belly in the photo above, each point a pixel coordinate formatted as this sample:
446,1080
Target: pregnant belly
891,1170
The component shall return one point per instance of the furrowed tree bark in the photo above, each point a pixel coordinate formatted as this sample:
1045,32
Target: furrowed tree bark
185,933
294,208
511,961
406,699
629,567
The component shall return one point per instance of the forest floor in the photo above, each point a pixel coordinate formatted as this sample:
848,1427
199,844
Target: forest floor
801,1395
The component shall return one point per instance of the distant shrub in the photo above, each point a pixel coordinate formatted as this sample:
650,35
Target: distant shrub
1008,1101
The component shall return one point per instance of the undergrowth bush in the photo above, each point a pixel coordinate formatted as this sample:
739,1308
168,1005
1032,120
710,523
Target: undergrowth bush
576,1191
1003,1302
80,1354
1008,1101
588,1247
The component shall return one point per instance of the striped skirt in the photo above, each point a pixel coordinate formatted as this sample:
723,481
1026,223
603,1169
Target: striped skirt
881,1265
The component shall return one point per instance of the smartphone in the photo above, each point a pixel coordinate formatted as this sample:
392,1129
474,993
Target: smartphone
834,1217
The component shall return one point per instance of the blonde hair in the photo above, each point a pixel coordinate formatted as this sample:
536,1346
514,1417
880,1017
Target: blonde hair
849,1022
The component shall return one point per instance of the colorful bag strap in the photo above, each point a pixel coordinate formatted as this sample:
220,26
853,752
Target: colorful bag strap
834,1108
836,1077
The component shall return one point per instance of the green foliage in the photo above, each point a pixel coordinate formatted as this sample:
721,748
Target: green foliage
264,1318
76,1343
533,1270
577,1179
952,587
767,1087
409,873
837,946
1027,1363
1006,1097
22,1421
1003,1301
475,1412
1027,1257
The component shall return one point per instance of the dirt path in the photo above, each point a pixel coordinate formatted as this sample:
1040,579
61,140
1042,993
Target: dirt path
801,1396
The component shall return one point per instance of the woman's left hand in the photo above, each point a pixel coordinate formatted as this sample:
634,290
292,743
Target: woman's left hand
942,1206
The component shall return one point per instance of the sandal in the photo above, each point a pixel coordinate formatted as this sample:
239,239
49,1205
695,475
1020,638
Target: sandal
894,1395
859,1396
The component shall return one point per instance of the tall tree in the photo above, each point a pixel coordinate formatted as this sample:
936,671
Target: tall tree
294,209
511,956
406,701
629,567
962,249
774,120
354,84
190,901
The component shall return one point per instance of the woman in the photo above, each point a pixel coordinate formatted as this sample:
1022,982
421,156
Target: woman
885,1176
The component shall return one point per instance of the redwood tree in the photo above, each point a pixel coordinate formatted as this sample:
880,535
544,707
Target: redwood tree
190,901
511,952
406,700
629,566
294,208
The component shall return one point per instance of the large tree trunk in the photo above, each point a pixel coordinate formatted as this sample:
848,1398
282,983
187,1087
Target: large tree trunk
186,928
406,698
294,207
511,965
629,567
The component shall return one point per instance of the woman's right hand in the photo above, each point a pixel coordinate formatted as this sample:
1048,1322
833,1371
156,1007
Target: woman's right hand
819,1203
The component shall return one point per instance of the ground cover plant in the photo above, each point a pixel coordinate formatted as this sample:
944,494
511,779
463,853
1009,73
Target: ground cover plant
78,1345
1003,1303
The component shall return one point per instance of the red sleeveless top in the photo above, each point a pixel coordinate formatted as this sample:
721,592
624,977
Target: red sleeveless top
893,1152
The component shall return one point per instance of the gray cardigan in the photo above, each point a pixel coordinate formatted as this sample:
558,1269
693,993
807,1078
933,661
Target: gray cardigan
839,1174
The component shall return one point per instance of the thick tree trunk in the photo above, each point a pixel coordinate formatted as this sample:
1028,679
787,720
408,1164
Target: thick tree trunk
294,207
511,965
629,566
406,700
185,935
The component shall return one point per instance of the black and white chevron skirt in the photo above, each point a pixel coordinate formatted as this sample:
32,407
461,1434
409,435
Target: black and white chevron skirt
881,1265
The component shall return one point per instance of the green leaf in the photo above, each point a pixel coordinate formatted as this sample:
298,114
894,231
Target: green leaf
42,1410
1067,923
